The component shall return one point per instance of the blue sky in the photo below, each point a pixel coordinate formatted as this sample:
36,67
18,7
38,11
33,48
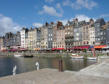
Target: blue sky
15,14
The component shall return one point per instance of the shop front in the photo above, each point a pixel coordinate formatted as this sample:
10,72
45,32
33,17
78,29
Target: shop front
80,47
100,47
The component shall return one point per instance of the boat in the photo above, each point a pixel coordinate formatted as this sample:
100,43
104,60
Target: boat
29,56
18,55
91,58
102,57
76,56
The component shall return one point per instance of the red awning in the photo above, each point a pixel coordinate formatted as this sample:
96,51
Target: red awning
12,50
80,47
57,48
60,48
85,47
53,48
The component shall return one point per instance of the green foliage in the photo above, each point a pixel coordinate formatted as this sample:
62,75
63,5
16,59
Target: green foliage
85,50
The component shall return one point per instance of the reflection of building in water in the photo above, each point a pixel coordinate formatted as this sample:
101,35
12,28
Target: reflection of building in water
55,63
77,64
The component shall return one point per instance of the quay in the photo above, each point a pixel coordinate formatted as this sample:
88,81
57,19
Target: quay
94,74
35,54
64,54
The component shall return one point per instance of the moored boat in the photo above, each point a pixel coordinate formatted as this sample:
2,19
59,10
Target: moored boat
18,55
28,56
91,58
77,57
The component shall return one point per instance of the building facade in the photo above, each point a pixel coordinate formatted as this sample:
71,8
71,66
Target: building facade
78,31
33,39
8,40
106,29
91,32
55,36
99,32
17,38
69,34
38,41
12,40
59,36
1,43
47,36
24,35
85,33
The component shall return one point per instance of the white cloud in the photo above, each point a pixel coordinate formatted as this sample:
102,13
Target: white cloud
49,1
37,24
64,21
7,25
104,15
78,4
50,10
86,3
82,17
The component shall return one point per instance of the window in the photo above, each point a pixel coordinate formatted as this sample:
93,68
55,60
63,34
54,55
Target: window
77,38
49,39
101,33
77,34
98,39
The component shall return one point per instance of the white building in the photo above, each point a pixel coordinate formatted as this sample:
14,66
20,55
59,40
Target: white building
91,36
23,33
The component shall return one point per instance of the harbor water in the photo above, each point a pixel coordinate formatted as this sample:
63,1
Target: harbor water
28,64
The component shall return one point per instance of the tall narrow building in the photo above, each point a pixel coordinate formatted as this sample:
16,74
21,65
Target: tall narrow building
47,36
91,32
78,31
33,39
24,35
59,37
69,34
1,43
99,32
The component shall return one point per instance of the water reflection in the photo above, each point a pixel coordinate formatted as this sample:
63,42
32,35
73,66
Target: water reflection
28,64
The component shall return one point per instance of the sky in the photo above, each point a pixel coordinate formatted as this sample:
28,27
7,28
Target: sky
15,14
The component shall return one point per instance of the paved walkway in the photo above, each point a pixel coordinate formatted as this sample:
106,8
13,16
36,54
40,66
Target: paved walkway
95,74
50,76
99,70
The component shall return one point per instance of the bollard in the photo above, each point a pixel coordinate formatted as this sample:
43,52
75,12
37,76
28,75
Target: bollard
60,65
37,65
14,70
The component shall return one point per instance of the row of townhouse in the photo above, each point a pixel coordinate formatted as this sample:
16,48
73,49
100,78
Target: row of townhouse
82,34
47,37
56,36
10,40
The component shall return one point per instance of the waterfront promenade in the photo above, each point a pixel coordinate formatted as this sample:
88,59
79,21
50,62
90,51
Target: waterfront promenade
53,54
94,74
